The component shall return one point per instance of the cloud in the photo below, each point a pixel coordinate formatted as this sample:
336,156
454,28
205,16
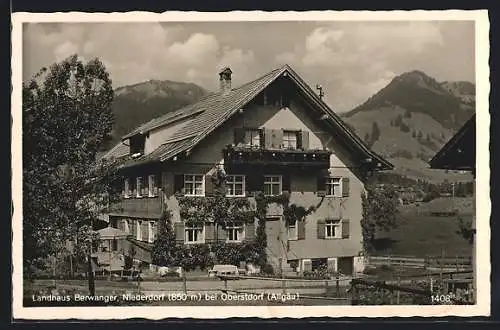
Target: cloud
352,60
138,52
359,58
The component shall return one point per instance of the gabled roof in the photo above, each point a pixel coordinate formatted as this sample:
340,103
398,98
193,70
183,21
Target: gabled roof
212,111
459,153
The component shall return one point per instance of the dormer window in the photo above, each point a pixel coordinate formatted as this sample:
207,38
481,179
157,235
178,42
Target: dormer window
137,143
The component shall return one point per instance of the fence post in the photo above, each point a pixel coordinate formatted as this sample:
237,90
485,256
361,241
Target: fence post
184,283
397,293
283,285
337,286
354,293
442,264
457,262
225,283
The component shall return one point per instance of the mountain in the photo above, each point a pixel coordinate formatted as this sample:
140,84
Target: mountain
411,118
139,103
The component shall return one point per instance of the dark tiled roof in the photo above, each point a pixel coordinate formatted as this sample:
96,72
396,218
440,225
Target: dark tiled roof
165,150
213,110
459,151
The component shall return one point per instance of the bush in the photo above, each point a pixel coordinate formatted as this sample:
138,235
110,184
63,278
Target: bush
267,269
404,128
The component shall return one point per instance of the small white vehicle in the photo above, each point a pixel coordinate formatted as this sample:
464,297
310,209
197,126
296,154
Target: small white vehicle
228,270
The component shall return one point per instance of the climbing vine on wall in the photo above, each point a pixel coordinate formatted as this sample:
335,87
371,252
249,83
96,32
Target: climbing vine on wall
221,210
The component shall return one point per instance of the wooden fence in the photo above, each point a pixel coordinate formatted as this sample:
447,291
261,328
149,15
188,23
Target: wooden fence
456,263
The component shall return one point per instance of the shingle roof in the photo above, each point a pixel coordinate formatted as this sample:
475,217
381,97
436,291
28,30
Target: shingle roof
444,157
214,109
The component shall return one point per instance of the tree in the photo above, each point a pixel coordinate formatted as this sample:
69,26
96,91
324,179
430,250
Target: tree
375,132
367,138
66,119
164,246
398,121
404,128
465,229
380,211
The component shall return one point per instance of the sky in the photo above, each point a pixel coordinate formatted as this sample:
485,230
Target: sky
352,60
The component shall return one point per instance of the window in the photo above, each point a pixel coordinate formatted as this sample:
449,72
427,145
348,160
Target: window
139,186
194,185
139,230
235,185
292,231
332,229
194,234
272,185
126,188
252,138
319,263
126,227
289,140
333,187
151,230
153,190
234,232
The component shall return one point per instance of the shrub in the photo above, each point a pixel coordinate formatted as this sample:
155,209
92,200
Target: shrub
267,269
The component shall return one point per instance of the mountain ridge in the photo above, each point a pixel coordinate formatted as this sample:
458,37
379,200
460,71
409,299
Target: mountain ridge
138,103
411,118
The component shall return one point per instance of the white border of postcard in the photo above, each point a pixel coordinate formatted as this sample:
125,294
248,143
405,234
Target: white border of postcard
483,205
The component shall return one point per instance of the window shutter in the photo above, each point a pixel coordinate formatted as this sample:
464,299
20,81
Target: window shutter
249,231
285,182
209,186
179,232
157,184
303,137
133,228
239,135
321,185
307,263
345,187
345,228
133,186
261,138
321,229
221,233
277,142
301,230
209,232
179,184
268,138
145,231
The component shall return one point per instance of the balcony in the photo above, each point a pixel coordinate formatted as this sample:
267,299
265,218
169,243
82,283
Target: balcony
241,156
146,207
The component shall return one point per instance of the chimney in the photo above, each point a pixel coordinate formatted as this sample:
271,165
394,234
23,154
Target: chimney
225,80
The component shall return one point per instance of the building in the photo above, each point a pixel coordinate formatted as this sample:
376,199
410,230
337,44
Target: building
459,153
271,135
